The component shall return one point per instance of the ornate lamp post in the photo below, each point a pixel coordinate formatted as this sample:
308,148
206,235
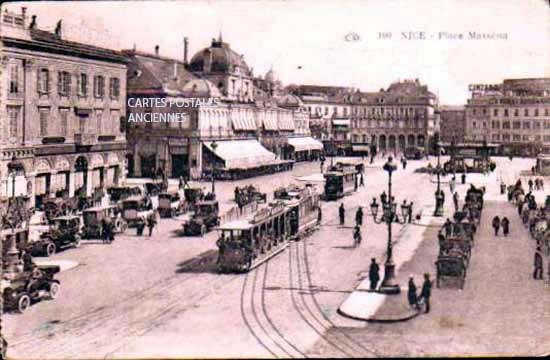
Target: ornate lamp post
439,197
214,146
13,218
389,284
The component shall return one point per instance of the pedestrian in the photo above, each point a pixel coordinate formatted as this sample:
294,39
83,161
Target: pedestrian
151,222
359,217
180,183
410,211
361,181
530,183
322,166
448,227
452,185
404,164
496,224
537,274
505,225
455,200
426,292
542,184
411,294
319,215
356,236
374,274
464,178
342,213
140,226
383,198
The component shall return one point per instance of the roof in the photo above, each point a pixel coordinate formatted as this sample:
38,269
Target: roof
305,143
241,224
201,88
223,59
51,43
96,208
67,217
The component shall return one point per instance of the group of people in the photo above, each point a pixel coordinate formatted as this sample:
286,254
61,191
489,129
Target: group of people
150,222
538,184
504,223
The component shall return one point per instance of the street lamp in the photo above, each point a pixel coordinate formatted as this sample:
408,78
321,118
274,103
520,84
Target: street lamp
214,146
439,196
389,284
13,218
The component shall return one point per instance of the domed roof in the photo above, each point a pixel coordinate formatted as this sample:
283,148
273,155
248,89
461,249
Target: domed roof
271,76
223,59
197,88
289,101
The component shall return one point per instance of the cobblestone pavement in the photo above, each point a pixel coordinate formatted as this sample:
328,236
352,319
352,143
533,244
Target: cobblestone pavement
161,297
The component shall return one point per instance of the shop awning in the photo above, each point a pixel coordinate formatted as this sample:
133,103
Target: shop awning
242,154
305,143
364,148
344,122
286,123
270,124
243,124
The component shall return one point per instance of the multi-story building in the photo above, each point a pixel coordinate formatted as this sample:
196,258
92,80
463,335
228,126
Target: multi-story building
514,114
63,104
453,124
243,119
406,114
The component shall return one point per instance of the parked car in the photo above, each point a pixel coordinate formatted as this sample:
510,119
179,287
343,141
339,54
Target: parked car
414,153
93,221
136,209
171,204
31,286
204,219
64,232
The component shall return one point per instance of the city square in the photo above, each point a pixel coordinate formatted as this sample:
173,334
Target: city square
154,205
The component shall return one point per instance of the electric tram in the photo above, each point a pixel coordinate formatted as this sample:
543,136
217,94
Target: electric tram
339,183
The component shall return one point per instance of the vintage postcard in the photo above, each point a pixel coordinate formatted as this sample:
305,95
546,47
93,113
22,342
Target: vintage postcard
274,179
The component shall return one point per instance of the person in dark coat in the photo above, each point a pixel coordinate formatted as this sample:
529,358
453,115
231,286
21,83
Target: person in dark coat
374,274
410,211
426,291
530,183
496,224
455,200
448,227
319,215
411,294
342,213
359,217
505,225
361,180
537,274
357,236
140,226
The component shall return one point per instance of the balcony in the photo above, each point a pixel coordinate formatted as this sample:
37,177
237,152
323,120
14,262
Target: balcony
85,139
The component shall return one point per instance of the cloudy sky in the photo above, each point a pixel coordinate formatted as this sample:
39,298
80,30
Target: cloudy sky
306,41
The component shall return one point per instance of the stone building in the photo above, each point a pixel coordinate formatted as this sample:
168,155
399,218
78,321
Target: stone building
453,124
403,115
63,104
514,114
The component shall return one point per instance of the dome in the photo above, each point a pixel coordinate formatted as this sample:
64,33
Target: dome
289,101
221,57
201,88
271,76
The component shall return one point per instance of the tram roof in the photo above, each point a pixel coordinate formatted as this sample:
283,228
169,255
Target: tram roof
241,224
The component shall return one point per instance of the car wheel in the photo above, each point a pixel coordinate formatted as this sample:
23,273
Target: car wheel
23,302
76,242
50,249
53,290
203,230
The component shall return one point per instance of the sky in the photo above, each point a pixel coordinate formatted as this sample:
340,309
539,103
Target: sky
329,42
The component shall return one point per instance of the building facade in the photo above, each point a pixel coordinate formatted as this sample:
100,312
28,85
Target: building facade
514,114
405,114
63,107
453,124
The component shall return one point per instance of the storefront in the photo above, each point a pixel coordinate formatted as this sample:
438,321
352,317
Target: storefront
305,148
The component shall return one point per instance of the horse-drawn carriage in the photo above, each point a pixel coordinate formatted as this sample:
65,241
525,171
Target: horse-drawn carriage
248,194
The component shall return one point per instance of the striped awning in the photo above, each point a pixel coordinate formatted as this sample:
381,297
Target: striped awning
243,124
345,122
242,154
270,124
305,144
286,124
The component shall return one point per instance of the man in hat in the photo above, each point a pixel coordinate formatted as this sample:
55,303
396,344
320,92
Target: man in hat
537,274
426,291
374,274
411,293
359,216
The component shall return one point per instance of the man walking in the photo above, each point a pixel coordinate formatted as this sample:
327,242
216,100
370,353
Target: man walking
356,236
374,274
411,294
448,227
361,180
359,217
452,184
342,213
496,224
455,200
410,211
426,292
537,274
505,226
319,215
530,183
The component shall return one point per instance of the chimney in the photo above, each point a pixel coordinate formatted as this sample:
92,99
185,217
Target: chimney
58,29
23,11
32,25
157,50
185,50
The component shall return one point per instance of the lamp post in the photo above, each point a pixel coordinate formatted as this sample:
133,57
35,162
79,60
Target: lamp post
214,146
389,216
13,218
438,194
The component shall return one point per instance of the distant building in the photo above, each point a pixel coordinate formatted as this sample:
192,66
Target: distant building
63,104
453,124
405,114
514,114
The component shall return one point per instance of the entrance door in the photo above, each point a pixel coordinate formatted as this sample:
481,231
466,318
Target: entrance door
148,165
180,165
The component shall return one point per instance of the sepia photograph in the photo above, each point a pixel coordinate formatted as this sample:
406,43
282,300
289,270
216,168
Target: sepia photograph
230,179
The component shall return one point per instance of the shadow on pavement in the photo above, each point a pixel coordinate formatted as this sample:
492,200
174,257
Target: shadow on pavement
203,263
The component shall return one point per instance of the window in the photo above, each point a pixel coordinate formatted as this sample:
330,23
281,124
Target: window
44,114
516,124
505,137
63,116
484,125
474,112
516,112
100,126
495,112
326,110
484,111
474,124
506,112
537,138
546,112
517,138
546,138
547,124
526,112
526,138
495,124
82,85
526,125
43,81
345,111
114,88
13,114
63,83
536,125
99,86
82,124
536,112
496,137
505,124
14,78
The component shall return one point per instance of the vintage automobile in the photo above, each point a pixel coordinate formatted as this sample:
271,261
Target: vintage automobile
31,286
56,207
136,209
64,232
414,153
155,188
192,195
206,217
171,204
449,266
93,221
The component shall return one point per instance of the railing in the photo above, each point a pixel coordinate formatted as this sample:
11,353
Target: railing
235,213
